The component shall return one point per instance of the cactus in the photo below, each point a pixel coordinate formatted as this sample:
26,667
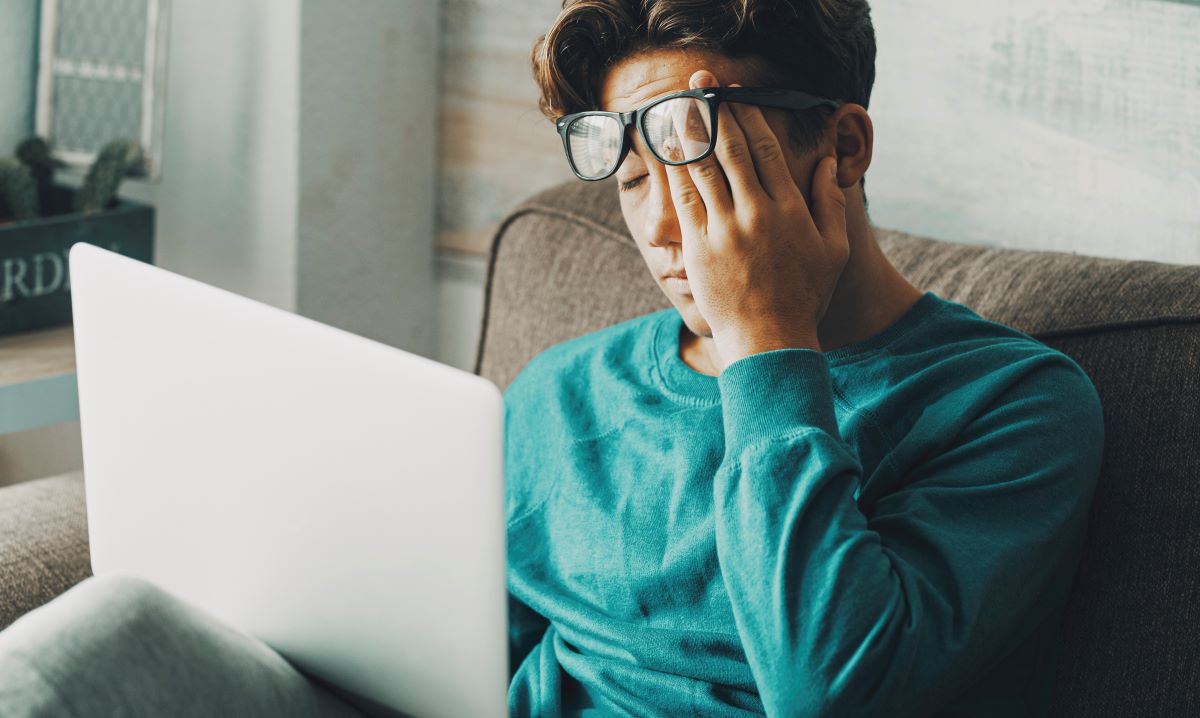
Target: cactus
100,186
18,190
34,153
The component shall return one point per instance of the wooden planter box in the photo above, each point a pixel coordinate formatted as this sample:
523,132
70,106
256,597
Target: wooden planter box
35,288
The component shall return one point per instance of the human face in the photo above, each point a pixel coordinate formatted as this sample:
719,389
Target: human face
645,194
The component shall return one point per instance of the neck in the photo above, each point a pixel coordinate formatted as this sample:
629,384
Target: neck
869,297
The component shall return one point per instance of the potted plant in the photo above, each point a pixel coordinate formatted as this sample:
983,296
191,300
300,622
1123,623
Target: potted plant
39,221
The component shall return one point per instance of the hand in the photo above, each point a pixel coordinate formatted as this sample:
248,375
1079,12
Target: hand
762,269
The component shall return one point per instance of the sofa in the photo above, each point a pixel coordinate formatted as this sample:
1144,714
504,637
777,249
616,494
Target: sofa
562,264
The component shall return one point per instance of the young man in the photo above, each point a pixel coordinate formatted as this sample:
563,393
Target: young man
807,489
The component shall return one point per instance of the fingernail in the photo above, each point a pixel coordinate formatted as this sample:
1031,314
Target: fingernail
705,82
833,168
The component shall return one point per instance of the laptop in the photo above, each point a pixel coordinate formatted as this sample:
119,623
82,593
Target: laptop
338,498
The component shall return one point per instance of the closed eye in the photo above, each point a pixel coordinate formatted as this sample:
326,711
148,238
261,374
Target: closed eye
632,184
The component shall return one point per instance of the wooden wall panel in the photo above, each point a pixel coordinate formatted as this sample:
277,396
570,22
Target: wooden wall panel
495,147
1069,125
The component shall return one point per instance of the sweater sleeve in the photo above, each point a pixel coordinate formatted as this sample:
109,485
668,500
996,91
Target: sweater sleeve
896,613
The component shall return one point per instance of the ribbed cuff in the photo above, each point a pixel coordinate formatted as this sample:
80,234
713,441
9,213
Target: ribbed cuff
767,395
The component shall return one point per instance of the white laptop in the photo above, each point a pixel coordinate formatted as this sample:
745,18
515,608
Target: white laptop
336,497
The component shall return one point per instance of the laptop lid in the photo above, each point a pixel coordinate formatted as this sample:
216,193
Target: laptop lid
336,497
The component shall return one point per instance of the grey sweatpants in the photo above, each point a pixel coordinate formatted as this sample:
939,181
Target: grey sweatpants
121,647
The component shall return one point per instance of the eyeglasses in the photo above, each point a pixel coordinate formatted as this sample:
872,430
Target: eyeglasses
679,129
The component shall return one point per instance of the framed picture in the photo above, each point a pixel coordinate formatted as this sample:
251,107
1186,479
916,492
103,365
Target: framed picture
101,77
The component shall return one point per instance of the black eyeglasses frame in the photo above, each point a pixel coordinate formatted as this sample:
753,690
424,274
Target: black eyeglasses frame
713,96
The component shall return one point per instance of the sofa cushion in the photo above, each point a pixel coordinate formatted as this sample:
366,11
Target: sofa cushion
563,265
43,542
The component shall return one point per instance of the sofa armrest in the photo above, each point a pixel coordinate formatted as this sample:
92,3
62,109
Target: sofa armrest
43,542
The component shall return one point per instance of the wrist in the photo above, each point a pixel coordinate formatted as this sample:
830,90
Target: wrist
740,347
774,394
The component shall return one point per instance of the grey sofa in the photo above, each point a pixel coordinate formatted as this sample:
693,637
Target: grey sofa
562,264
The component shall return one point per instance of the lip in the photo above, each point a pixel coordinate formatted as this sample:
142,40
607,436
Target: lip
677,274
679,284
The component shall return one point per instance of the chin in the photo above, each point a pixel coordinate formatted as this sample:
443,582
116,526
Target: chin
692,318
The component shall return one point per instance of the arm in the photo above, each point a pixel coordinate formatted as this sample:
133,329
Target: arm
895,614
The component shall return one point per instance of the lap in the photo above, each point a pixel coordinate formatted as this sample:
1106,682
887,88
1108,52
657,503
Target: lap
120,646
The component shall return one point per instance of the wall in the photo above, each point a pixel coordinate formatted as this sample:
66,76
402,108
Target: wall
460,279
282,176
1068,126
368,138
227,203
18,44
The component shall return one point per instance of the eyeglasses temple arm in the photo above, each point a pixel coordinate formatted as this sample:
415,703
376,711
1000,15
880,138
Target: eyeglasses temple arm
782,99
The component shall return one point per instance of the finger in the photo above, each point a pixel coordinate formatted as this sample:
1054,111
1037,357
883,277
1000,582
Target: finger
829,202
734,156
731,152
689,203
707,175
766,151
691,124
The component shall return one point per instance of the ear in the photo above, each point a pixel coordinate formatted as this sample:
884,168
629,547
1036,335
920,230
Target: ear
855,138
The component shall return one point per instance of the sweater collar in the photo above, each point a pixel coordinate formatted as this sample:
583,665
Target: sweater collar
693,387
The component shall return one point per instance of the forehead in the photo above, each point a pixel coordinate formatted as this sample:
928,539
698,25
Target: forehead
634,80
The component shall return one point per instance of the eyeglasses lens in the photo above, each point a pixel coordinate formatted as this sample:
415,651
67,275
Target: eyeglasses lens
595,144
678,129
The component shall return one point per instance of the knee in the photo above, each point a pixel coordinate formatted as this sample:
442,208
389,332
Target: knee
118,590
114,599
83,635
93,610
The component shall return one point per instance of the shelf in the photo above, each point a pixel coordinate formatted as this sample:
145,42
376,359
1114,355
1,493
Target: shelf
37,379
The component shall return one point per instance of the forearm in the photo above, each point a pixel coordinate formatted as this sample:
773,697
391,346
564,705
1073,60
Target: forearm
841,614
812,591
824,620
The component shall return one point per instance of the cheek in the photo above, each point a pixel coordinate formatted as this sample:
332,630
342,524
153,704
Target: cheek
633,220
634,224
639,218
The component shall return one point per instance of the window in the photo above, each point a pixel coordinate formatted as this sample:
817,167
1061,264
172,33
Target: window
100,77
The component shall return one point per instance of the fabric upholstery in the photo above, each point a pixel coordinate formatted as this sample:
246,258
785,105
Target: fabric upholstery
43,542
563,264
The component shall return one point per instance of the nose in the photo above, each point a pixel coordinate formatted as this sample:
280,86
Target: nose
661,223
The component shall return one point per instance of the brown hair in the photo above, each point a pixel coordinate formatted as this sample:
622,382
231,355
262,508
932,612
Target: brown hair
825,47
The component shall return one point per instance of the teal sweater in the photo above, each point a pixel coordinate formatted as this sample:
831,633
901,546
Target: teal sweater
888,529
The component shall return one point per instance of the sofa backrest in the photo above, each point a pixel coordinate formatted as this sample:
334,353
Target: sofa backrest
563,265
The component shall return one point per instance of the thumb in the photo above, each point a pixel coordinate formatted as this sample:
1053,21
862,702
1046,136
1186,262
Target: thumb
829,202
